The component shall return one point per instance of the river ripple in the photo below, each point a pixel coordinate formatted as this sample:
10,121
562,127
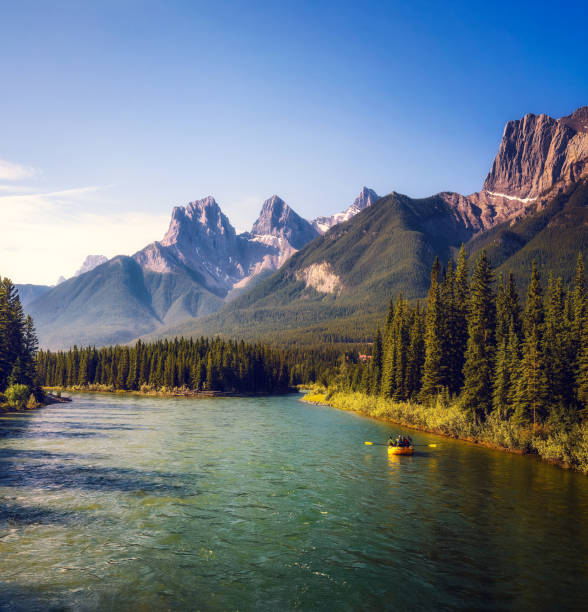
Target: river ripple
130,503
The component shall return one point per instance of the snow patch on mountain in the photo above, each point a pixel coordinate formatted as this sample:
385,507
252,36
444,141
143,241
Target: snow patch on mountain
365,198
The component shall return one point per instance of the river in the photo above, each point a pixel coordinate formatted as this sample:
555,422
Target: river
136,503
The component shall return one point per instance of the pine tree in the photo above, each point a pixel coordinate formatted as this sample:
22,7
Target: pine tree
432,372
534,309
557,348
582,369
479,358
460,322
416,354
532,382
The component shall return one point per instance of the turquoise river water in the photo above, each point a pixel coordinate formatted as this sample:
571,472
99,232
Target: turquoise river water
133,503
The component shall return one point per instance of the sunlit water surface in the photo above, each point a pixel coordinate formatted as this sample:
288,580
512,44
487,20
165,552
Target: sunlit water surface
129,503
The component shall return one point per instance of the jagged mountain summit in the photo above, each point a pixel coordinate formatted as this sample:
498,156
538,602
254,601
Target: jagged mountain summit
200,239
278,219
538,157
91,262
365,198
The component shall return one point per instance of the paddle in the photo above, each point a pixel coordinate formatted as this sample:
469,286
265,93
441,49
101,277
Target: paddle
382,444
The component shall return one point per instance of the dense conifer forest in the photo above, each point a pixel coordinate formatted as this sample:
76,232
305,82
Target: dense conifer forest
181,364
478,362
478,343
18,348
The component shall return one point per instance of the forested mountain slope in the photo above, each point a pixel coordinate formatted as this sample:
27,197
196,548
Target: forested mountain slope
533,207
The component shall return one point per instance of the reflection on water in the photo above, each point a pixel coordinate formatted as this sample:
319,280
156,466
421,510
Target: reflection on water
132,503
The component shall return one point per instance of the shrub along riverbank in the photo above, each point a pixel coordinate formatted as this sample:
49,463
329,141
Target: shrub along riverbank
163,391
564,446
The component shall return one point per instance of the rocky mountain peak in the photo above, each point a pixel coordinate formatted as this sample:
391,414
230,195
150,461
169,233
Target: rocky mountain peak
91,262
365,198
278,219
198,219
538,153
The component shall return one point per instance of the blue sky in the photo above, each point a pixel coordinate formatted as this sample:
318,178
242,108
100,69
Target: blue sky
114,112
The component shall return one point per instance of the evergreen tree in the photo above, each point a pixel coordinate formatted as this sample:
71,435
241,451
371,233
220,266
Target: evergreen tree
479,358
432,372
582,369
460,321
532,382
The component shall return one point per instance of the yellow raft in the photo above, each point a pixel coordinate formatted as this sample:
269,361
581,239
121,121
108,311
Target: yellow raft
400,450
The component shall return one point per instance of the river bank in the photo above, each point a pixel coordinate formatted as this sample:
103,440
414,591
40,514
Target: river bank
567,449
162,392
49,399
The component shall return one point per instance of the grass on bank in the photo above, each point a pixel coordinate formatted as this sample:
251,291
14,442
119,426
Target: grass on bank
565,446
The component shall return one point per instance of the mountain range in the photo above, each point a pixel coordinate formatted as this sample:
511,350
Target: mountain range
331,278
199,264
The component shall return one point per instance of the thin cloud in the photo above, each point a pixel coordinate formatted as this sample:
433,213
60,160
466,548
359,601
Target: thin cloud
49,234
11,171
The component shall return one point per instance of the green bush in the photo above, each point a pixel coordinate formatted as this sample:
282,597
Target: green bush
17,396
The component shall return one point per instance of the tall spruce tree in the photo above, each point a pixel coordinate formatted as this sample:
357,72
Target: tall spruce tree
479,358
532,389
460,321
433,377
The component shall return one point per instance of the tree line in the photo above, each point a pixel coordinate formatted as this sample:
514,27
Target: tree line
199,365
477,343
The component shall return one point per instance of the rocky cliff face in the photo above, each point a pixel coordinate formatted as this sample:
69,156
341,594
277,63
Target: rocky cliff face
365,198
538,157
201,239
538,153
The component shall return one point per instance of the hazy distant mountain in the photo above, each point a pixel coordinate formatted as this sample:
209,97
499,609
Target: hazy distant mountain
115,302
29,293
365,198
90,263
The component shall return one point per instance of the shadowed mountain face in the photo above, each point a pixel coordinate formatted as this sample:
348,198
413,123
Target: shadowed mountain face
29,293
116,302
